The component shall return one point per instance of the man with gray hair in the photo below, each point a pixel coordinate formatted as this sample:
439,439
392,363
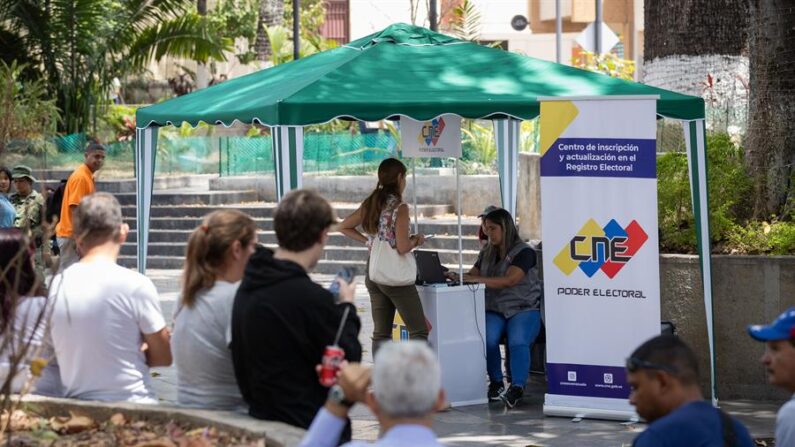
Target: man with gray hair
106,324
403,390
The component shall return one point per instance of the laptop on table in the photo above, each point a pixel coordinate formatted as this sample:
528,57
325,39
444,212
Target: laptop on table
430,269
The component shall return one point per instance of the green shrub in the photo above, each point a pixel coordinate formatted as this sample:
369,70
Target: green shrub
776,238
729,194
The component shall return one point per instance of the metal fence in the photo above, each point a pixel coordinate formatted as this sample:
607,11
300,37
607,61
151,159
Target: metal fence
340,153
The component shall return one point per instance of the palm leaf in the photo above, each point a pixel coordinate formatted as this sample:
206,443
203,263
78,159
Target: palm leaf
188,37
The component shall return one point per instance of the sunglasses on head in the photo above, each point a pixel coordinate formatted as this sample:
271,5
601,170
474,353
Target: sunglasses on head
634,364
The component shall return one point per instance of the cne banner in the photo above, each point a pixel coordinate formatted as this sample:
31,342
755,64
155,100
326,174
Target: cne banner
436,138
599,225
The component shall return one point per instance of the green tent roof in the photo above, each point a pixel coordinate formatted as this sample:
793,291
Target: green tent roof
402,70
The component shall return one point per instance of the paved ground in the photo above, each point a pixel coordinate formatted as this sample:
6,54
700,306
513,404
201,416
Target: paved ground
482,425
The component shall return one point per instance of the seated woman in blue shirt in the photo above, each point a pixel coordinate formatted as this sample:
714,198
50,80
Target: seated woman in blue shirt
513,301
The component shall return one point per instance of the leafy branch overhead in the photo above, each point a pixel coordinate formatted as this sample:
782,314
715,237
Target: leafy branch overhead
77,47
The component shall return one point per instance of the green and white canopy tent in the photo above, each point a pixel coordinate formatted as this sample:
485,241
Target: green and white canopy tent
410,71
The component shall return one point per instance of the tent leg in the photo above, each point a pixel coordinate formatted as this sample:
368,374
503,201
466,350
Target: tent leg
145,155
696,140
414,196
288,158
506,135
458,212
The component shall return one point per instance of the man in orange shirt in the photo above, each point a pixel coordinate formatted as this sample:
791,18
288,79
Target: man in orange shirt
79,185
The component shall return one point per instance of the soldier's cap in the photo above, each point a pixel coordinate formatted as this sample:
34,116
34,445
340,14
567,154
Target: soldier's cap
22,171
783,328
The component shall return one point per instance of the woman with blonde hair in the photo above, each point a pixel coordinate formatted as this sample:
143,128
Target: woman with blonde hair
385,216
217,253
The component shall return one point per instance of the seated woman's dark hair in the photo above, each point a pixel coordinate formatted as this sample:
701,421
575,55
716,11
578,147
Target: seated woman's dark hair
510,235
17,275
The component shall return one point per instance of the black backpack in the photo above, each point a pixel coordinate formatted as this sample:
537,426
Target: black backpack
54,202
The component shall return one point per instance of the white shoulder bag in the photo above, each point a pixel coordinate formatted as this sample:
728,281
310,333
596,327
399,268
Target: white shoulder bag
390,268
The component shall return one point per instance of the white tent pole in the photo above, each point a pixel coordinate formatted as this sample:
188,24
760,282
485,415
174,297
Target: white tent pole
414,195
288,156
458,211
695,139
145,152
506,138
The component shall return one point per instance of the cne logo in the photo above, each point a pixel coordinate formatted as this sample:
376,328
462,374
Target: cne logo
431,131
595,248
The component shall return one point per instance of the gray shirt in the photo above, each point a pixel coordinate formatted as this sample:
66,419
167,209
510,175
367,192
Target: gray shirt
785,424
200,343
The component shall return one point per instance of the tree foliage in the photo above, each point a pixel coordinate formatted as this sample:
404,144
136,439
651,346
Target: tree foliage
77,47
607,63
27,112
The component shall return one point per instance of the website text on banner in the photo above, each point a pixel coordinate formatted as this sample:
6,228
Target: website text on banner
599,226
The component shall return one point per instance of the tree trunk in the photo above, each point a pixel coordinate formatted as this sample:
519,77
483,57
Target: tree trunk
770,144
697,47
271,12
694,28
202,74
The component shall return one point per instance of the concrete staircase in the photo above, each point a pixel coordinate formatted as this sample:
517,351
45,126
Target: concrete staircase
176,212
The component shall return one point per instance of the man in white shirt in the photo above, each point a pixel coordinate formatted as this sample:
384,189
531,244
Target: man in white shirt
406,392
779,361
106,326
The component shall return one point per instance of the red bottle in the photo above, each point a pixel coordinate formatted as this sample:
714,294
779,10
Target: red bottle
332,360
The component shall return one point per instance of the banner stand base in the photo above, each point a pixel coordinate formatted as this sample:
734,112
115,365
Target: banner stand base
589,407
589,413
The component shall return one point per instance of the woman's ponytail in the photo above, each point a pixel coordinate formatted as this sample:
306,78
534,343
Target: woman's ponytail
207,248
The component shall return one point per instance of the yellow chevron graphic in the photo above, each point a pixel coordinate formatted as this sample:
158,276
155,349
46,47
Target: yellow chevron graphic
563,259
555,118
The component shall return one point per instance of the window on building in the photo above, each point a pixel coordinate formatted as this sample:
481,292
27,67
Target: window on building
337,23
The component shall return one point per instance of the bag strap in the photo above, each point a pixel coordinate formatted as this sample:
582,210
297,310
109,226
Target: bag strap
729,436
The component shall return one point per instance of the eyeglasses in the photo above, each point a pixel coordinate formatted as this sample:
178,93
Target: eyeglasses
634,364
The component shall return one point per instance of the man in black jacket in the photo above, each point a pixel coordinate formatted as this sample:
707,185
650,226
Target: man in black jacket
282,321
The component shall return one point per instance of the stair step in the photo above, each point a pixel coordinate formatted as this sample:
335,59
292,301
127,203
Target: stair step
262,209
188,223
445,233
329,267
447,250
324,266
192,197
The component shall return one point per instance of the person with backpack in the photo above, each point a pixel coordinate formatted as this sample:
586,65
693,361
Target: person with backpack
79,185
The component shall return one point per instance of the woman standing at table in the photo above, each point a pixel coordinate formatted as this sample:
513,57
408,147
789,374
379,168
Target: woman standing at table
384,215
513,301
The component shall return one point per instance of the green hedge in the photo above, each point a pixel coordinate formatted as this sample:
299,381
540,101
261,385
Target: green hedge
731,228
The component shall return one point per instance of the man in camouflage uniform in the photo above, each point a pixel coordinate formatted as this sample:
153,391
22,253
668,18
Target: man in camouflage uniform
29,205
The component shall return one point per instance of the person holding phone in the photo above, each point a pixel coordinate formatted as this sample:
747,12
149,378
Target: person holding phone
384,215
282,321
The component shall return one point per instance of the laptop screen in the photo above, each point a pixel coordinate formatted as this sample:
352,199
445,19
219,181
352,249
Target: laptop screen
429,268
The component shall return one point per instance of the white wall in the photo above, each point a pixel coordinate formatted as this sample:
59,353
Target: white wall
369,16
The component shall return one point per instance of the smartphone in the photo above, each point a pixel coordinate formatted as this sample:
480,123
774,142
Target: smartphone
346,274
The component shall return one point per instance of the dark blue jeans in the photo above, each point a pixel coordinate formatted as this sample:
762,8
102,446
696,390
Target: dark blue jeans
521,331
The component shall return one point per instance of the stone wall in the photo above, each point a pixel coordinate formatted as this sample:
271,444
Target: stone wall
746,290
